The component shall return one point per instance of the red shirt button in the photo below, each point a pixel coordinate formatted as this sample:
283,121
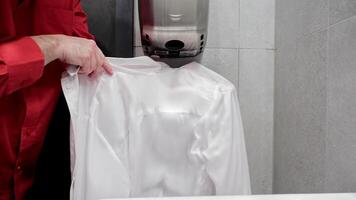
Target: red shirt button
18,166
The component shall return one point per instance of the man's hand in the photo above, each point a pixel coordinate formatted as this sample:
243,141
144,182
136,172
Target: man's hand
75,51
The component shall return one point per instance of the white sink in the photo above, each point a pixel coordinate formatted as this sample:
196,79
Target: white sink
341,196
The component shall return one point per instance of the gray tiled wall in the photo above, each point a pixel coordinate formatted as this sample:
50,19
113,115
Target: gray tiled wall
256,76
341,105
241,48
315,98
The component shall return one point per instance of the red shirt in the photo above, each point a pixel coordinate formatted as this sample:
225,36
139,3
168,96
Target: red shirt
28,89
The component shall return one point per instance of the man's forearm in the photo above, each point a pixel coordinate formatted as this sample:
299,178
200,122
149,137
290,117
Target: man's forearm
49,46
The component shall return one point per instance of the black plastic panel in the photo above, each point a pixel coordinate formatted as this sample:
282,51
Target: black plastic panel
111,21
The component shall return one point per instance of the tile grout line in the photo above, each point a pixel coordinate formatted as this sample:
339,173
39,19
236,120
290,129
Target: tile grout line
267,49
340,21
326,87
238,49
274,97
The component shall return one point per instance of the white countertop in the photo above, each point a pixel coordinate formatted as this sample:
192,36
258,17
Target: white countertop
340,196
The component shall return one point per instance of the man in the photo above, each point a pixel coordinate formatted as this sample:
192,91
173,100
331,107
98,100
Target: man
36,44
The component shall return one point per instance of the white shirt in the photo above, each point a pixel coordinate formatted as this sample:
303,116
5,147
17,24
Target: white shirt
150,131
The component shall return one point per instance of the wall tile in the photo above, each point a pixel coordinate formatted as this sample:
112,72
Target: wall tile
223,30
285,32
222,61
341,9
257,23
297,18
300,98
300,143
341,137
310,16
309,163
256,78
285,99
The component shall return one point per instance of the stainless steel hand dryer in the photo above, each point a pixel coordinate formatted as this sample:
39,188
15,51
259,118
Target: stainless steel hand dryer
173,28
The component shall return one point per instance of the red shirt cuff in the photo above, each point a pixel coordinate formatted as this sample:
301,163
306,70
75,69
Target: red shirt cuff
24,62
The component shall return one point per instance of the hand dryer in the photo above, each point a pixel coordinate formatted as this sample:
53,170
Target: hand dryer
173,28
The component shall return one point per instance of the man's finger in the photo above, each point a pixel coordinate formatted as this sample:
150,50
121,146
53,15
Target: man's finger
107,67
85,70
93,63
93,74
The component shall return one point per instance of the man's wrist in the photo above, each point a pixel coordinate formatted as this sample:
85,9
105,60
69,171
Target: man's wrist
49,45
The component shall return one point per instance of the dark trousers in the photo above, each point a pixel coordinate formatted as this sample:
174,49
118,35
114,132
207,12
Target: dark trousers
53,176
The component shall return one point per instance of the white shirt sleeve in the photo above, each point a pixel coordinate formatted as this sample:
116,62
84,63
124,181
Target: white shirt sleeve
226,157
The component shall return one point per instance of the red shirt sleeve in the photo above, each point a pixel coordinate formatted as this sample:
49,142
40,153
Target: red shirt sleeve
80,26
21,64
